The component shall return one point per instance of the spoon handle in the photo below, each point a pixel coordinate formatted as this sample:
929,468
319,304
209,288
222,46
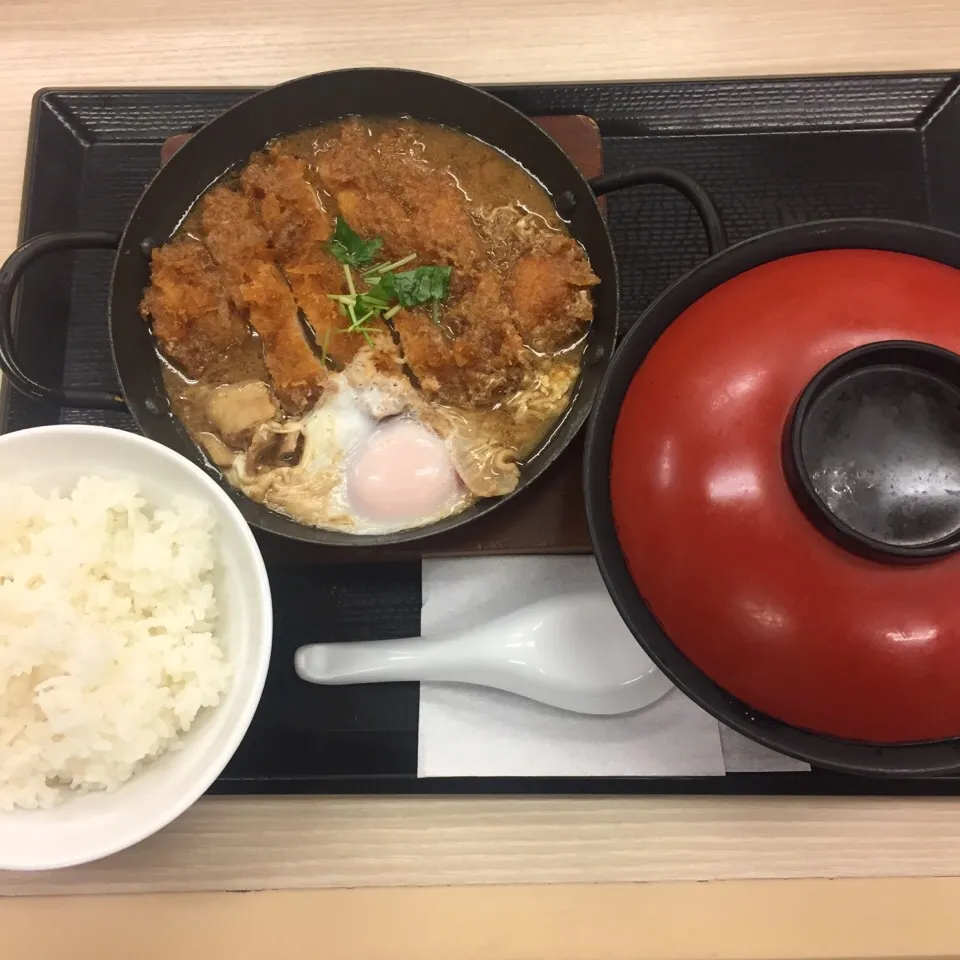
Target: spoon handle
378,661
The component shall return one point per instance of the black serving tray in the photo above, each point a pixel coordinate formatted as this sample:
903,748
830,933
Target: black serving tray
772,152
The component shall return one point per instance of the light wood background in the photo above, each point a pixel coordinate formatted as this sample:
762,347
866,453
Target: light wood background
231,844
776,920
189,42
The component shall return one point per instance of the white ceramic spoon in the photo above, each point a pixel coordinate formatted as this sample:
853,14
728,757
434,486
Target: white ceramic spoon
572,651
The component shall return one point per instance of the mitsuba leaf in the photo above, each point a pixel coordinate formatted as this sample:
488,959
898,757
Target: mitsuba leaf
382,290
350,248
413,287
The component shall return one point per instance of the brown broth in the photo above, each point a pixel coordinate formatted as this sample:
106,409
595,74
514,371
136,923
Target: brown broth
487,176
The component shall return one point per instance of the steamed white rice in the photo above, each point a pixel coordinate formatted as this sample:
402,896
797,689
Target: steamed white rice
107,643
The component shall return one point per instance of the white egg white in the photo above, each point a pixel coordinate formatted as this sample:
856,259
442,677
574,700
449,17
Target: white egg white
335,430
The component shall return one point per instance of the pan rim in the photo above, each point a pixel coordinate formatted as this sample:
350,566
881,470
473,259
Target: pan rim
602,331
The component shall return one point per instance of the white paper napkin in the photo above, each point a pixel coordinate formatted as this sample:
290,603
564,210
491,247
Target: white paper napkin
474,731
741,755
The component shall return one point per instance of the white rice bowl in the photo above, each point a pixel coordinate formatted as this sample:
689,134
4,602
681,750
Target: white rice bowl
135,629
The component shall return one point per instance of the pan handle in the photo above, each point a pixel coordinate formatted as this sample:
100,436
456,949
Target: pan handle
697,195
10,274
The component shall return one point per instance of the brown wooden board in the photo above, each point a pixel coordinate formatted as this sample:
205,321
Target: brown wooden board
548,517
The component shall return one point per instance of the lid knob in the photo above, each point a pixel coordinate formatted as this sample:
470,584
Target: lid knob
872,450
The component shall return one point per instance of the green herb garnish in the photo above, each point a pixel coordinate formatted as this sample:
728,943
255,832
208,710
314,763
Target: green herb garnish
414,287
386,267
388,291
381,291
411,288
350,248
324,354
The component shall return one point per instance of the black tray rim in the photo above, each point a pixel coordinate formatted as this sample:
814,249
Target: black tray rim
946,73
778,783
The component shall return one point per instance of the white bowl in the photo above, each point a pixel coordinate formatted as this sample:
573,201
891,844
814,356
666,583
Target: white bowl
89,826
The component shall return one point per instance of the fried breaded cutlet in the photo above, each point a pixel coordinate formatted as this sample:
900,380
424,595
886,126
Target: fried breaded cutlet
374,212
193,320
287,203
550,291
548,277
384,189
349,169
298,229
443,230
348,159
474,356
240,245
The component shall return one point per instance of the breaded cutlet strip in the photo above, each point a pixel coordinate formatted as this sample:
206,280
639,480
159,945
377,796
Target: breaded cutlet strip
287,203
240,245
474,357
548,277
384,189
348,158
350,170
298,229
458,370
550,292
443,229
193,320
374,212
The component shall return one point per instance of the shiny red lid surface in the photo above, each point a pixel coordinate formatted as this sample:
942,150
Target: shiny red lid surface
738,576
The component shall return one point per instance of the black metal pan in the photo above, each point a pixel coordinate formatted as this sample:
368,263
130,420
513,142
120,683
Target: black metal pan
227,142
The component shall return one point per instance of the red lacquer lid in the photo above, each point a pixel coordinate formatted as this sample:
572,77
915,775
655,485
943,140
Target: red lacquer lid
747,579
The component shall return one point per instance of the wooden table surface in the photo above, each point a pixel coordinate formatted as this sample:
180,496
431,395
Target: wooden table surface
231,844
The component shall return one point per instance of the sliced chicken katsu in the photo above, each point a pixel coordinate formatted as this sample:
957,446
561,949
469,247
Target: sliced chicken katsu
240,245
373,212
550,292
288,204
298,228
443,230
349,169
548,277
474,356
193,319
348,157
383,188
